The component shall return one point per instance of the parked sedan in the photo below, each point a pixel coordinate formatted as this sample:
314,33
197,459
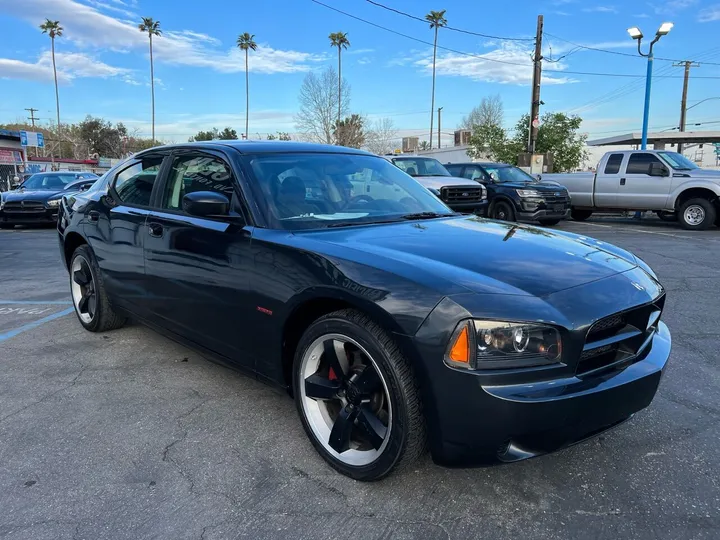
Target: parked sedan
36,200
392,321
515,195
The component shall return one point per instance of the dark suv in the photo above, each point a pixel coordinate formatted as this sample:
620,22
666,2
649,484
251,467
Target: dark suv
515,195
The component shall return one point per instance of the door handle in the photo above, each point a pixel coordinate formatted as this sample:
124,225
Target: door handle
93,215
155,229
622,181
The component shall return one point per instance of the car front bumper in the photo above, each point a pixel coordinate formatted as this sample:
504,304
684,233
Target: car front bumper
535,209
46,216
478,208
509,415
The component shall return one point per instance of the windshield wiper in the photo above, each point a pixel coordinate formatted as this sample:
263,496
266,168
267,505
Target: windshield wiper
425,215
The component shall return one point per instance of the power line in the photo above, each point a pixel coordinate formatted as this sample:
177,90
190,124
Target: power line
422,20
486,58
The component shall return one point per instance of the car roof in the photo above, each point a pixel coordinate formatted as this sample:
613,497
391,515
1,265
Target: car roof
265,147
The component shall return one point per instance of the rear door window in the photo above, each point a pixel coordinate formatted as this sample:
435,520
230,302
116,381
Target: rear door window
613,164
134,184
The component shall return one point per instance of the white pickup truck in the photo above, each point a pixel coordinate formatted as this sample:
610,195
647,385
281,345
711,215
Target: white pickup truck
666,182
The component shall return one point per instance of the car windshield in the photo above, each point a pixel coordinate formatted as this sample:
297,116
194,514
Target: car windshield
508,174
417,166
48,181
677,161
310,191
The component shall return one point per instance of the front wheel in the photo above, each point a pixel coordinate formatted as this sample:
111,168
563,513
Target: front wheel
357,396
697,214
502,211
548,222
91,302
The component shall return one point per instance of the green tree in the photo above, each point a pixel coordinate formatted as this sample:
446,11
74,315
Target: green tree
246,42
424,145
214,134
490,141
559,135
339,40
53,29
436,20
153,29
350,132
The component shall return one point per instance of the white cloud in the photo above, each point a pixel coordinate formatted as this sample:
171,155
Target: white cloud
115,9
89,28
509,64
364,60
642,16
562,13
359,51
671,7
709,14
601,9
69,66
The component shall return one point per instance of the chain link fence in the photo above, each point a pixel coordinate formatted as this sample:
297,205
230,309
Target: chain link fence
8,172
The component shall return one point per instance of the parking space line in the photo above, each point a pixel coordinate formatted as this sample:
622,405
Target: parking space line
36,302
35,324
647,232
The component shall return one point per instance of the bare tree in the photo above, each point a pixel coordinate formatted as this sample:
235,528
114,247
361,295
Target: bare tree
318,105
380,137
488,113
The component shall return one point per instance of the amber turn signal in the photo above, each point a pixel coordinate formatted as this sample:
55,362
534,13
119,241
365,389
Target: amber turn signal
460,350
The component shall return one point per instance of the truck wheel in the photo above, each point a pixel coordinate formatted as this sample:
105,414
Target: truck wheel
580,215
502,211
667,216
697,214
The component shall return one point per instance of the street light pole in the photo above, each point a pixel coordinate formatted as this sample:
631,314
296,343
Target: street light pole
636,34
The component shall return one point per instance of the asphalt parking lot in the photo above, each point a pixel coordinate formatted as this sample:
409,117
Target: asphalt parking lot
130,435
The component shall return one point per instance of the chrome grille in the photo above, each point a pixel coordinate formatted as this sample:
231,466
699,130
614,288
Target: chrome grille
460,194
619,338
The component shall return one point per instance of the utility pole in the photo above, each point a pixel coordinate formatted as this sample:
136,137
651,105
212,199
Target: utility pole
439,111
687,64
537,75
32,121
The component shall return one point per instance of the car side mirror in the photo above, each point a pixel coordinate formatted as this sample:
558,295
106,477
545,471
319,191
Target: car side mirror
206,204
658,169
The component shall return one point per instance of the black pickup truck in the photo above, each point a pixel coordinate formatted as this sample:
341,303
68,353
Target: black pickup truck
514,195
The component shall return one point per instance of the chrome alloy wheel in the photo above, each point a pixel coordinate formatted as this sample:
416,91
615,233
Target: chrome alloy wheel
83,289
345,399
694,214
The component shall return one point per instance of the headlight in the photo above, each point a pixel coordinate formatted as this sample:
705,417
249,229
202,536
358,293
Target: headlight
434,192
527,193
53,203
478,344
484,191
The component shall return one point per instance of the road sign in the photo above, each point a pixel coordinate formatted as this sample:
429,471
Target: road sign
32,138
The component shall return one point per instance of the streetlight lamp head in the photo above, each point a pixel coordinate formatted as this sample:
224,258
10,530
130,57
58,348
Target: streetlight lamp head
635,32
665,29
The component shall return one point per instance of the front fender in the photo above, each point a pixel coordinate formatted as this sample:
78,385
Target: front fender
694,184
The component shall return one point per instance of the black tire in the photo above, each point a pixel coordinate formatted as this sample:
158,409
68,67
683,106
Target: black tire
503,211
697,214
548,222
7,226
580,215
405,439
102,317
670,217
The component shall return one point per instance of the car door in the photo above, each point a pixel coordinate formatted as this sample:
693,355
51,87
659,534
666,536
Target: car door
640,191
115,229
607,181
198,267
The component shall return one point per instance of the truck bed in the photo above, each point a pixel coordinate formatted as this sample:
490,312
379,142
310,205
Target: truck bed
579,185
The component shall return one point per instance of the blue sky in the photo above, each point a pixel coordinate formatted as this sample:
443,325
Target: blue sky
103,61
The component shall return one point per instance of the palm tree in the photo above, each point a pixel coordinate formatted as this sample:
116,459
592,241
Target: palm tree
53,29
246,42
153,29
339,40
436,20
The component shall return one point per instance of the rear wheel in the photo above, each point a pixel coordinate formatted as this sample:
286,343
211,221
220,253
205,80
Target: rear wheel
503,211
91,302
548,222
357,396
580,215
697,214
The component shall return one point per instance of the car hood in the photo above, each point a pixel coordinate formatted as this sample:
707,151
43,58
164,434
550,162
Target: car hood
32,195
708,174
439,182
484,256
